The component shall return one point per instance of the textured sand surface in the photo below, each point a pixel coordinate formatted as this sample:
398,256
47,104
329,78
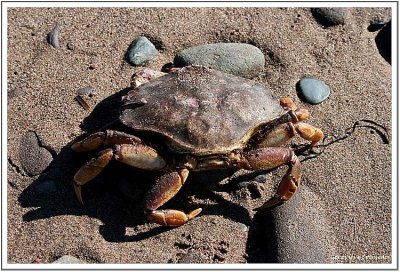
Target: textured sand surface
350,183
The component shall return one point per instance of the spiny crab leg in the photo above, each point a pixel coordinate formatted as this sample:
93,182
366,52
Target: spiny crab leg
272,157
136,155
108,138
166,187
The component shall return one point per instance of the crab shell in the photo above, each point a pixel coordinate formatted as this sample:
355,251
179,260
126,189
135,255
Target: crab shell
200,110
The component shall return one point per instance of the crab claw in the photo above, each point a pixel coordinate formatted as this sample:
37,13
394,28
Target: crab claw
78,192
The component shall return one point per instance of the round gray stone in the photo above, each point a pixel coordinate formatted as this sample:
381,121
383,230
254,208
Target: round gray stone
33,158
313,90
239,59
67,259
141,51
330,16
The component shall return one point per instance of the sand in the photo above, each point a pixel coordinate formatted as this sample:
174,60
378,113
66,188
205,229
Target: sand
348,186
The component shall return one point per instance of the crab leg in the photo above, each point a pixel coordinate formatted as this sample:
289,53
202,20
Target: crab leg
108,138
136,155
284,132
272,157
163,190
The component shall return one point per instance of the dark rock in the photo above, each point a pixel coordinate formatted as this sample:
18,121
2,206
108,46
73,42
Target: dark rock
384,42
34,158
141,51
239,59
299,231
330,16
313,90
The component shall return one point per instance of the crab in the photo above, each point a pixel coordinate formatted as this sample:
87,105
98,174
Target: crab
195,119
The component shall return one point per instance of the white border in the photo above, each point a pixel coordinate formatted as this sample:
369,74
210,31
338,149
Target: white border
200,266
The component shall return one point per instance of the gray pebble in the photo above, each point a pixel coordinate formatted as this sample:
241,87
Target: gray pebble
243,227
34,158
313,90
68,259
330,16
141,51
54,36
239,59
45,187
88,91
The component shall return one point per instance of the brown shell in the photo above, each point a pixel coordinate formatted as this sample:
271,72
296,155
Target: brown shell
200,110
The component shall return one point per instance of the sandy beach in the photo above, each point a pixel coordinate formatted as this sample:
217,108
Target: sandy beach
341,214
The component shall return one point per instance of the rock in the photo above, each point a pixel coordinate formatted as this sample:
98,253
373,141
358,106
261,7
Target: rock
384,42
299,231
88,91
54,36
141,51
46,187
312,90
34,158
330,16
70,46
243,227
239,59
67,259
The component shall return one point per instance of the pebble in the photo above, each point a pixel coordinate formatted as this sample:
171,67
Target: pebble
88,91
141,51
312,90
33,158
70,46
68,259
239,59
243,227
330,16
54,36
45,187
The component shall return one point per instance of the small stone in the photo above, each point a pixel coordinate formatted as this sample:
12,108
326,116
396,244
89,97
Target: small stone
34,158
239,59
54,36
330,16
67,259
70,46
243,227
141,51
45,187
312,90
88,91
